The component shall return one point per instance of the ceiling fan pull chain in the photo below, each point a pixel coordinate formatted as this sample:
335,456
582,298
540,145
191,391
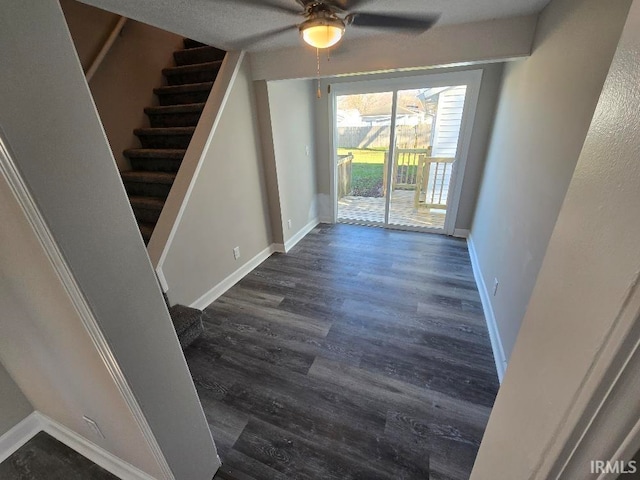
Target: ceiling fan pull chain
319,93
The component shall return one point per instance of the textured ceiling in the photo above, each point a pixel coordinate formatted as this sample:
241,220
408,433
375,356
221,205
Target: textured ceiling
226,23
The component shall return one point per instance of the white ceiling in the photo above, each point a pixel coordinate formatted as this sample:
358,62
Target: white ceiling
225,23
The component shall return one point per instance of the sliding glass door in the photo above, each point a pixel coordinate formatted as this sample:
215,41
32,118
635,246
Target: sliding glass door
398,151
364,133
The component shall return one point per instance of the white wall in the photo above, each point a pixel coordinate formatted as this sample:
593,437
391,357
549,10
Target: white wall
546,105
14,406
123,85
487,98
47,351
228,206
587,288
50,123
292,109
488,41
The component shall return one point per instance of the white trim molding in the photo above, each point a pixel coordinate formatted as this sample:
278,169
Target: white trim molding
91,451
9,170
217,291
461,233
37,422
303,232
494,334
19,435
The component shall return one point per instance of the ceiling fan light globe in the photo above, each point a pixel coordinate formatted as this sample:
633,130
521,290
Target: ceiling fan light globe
322,36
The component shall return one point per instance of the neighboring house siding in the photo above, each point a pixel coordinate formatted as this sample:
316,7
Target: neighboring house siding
448,121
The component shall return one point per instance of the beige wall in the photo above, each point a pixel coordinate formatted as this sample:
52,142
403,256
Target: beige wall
292,108
586,298
228,206
63,155
487,98
269,160
90,28
123,85
546,105
14,406
47,350
488,41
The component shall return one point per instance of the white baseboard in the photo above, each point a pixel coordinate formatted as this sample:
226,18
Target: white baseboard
19,435
38,422
292,242
212,295
325,220
91,451
494,334
461,233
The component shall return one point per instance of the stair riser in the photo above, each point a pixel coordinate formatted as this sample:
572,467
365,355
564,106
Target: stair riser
146,238
165,141
183,98
174,120
192,77
155,164
146,215
139,189
189,43
195,55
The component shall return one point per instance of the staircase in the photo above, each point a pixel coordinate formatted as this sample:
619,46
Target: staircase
172,123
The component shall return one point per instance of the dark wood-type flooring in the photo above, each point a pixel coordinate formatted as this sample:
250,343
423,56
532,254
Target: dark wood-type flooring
362,354
45,458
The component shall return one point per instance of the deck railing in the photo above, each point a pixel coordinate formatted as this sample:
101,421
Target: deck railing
344,174
415,169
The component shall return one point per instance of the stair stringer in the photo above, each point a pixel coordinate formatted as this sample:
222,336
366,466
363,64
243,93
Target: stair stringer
178,199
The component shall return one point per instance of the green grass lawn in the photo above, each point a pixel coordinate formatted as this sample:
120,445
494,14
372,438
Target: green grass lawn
367,171
371,156
366,179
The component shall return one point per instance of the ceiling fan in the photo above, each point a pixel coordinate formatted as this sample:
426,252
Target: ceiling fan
325,21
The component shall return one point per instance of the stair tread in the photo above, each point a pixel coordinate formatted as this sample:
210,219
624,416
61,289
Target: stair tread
191,43
154,203
203,48
176,153
194,67
165,131
170,109
149,177
189,87
146,229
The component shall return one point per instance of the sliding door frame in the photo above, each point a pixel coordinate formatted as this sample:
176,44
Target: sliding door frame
471,78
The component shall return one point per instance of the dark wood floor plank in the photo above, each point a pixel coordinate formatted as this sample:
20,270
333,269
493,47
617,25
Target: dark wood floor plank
361,354
44,457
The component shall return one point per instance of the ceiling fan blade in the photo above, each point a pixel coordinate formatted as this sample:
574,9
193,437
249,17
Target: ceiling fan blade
248,41
272,5
414,23
349,5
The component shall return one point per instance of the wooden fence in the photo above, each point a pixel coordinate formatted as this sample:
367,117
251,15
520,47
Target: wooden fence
407,136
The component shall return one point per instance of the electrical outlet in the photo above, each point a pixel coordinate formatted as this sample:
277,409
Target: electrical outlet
94,427
236,253
289,224
495,286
